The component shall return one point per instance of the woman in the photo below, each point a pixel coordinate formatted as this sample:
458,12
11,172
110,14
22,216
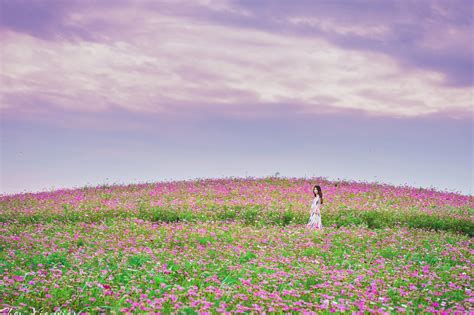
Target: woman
315,216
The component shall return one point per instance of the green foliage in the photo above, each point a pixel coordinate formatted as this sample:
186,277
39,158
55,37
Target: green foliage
138,260
389,252
376,219
247,257
228,212
55,259
164,214
249,214
256,215
287,217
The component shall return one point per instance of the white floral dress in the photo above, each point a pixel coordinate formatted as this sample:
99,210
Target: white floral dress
315,217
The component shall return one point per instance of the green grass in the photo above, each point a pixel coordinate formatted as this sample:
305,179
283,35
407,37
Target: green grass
256,215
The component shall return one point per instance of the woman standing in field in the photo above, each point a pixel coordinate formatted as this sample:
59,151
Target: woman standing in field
315,216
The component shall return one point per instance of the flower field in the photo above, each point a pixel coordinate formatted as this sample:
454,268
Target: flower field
237,246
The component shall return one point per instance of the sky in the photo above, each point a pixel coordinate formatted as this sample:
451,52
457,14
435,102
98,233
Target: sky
119,92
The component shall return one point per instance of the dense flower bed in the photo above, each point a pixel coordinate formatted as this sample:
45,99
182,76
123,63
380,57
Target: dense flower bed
135,265
217,246
260,202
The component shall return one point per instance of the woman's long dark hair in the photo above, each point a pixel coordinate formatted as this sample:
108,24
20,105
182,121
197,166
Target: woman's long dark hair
320,192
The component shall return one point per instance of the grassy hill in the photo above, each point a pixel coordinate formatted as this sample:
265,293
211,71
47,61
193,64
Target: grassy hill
218,245
260,202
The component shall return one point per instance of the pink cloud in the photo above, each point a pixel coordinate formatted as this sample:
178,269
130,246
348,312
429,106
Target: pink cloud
162,62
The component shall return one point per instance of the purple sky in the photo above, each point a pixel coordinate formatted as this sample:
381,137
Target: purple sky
96,92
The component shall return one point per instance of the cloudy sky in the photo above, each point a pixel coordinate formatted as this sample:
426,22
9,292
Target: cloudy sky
96,92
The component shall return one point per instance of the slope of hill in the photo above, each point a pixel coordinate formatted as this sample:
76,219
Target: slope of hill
271,200
220,245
